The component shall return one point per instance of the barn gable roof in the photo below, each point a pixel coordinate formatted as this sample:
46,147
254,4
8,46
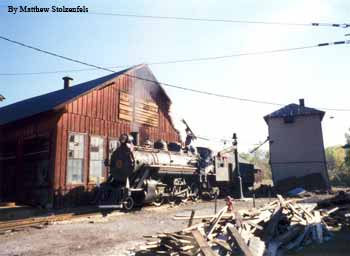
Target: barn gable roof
57,99
292,110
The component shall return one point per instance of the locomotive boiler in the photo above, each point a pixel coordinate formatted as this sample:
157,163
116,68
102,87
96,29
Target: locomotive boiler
164,172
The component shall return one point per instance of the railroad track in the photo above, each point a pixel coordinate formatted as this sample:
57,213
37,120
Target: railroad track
39,222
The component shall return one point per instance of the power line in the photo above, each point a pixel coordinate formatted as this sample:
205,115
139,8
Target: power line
157,82
176,18
219,20
212,58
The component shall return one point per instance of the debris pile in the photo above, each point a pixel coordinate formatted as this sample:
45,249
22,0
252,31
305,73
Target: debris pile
279,226
338,210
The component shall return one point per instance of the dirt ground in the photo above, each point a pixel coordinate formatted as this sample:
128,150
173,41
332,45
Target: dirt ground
115,234
118,233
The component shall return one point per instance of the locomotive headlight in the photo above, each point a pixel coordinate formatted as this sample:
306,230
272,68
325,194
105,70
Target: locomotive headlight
119,164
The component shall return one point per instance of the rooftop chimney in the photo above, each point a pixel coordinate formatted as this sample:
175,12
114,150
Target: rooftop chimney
66,82
301,102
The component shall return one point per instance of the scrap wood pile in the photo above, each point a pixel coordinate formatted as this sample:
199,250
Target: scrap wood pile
339,210
277,227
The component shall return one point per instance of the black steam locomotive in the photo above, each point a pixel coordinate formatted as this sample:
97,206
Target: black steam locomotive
158,173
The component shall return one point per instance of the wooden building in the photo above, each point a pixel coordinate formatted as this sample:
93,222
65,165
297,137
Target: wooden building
52,147
297,155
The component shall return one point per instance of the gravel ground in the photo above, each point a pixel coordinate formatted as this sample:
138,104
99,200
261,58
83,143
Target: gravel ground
115,234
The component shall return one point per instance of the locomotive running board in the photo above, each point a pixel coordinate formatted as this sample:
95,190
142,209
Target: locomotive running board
112,206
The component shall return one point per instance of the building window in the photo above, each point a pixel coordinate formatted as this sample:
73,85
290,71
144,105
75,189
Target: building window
96,160
113,145
75,158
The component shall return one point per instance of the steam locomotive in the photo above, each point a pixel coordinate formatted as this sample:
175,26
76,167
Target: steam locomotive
161,172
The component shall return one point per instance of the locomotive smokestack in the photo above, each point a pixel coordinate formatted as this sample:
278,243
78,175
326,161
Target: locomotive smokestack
66,82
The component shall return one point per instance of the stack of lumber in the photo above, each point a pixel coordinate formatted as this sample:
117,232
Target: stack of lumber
279,226
338,210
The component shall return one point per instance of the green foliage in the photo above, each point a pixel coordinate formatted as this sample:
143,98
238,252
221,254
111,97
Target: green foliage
335,158
338,163
260,159
347,151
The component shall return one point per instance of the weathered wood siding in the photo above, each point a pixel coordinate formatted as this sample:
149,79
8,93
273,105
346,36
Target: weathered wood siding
97,113
13,180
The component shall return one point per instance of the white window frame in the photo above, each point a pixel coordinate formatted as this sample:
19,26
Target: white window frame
73,160
93,162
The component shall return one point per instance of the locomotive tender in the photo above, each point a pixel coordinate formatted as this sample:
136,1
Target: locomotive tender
146,174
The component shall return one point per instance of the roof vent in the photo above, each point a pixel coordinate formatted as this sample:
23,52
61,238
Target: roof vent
66,83
301,102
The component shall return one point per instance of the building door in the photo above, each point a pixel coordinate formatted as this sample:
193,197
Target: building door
8,170
35,171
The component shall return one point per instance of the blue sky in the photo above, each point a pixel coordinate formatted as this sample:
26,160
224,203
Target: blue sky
319,75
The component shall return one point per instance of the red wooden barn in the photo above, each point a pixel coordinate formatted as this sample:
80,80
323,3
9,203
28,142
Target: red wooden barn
52,147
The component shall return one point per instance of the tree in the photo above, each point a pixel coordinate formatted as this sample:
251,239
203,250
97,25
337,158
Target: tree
335,158
347,151
260,159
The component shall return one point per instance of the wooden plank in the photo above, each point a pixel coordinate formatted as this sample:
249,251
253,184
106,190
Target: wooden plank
223,244
292,233
273,248
203,244
318,227
146,113
146,117
125,103
332,210
254,225
146,121
124,107
125,112
263,216
270,229
281,200
125,117
307,211
191,218
233,232
149,103
226,215
125,96
256,246
215,221
299,239
146,106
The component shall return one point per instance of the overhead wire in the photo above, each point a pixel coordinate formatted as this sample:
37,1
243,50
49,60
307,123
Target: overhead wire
162,83
177,18
93,67
217,20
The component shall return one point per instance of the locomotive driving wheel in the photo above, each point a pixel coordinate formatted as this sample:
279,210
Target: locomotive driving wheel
158,201
128,203
214,193
194,192
186,195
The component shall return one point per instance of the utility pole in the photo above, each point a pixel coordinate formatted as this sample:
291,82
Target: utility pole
238,173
